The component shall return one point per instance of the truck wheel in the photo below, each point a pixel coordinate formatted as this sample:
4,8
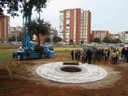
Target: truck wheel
23,57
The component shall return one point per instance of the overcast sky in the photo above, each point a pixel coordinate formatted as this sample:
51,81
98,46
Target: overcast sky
111,15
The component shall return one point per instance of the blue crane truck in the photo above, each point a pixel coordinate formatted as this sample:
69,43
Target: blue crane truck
29,50
47,51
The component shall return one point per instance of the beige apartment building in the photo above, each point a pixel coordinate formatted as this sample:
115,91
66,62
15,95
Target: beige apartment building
101,34
124,36
4,28
75,24
114,36
15,31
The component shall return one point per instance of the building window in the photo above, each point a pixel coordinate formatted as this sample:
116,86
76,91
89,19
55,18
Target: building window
67,14
67,21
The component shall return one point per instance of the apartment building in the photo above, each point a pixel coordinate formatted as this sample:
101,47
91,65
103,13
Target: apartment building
75,24
4,27
114,36
15,31
101,34
124,36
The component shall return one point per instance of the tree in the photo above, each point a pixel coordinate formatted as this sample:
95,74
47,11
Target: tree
13,38
116,41
38,27
40,4
106,40
56,39
9,39
47,39
59,39
19,38
10,5
24,6
71,42
82,41
96,40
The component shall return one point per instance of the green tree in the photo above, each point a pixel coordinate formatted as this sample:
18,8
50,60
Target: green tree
19,38
82,41
96,40
38,27
9,39
10,5
106,40
40,4
59,39
56,39
13,38
47,39
71,42
116,41
24,6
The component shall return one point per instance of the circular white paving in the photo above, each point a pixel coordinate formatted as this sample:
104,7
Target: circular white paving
88,73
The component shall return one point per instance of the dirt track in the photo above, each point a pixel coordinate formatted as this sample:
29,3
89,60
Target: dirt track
18,78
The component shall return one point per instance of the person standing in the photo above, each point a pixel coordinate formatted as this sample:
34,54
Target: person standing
83,55
105,54
75,53
95,54
72,54
118,54
114,56
78,54
89,56
123,54
127,55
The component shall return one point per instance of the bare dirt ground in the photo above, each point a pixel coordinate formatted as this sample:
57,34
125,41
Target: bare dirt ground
19,78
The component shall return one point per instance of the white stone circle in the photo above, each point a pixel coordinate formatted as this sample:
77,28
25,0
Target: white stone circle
89,73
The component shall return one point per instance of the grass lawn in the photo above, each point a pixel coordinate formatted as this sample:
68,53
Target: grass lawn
6,51
5,55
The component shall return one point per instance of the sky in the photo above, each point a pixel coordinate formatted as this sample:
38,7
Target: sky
111,15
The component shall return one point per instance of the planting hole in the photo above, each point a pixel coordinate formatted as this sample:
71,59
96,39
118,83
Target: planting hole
70,69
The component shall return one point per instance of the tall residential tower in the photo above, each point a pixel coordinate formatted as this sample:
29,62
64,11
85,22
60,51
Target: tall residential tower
4,27
75,24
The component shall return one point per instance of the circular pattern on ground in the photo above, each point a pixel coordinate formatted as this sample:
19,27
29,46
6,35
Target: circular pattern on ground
89,73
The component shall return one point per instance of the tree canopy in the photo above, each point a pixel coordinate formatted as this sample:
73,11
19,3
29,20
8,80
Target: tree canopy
24,6
38,27
47,39
116,41
96,40
71,42
56,39
106,40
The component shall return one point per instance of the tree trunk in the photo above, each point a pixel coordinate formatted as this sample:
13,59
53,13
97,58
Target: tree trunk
38,40
41,38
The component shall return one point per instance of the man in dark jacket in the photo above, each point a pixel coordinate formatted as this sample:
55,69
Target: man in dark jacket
89,56
126,54
72,54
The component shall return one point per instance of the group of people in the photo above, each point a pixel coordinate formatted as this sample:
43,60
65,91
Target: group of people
85,54
99,54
